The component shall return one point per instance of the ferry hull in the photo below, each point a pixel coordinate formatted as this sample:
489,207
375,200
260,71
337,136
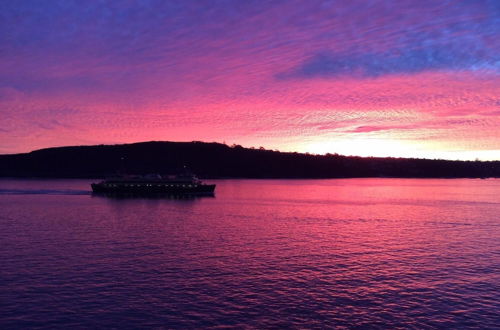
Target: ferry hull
153,189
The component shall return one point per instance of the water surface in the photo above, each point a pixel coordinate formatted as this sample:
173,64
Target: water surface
372,253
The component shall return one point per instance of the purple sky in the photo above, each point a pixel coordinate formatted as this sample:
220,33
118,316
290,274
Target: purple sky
400,78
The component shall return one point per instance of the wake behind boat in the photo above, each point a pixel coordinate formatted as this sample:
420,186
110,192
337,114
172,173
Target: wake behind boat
154,184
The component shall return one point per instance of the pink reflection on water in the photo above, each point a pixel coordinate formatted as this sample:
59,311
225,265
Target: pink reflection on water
399,252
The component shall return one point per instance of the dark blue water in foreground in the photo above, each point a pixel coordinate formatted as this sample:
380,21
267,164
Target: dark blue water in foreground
375,253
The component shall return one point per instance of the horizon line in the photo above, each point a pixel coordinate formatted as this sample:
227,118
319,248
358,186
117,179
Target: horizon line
251,148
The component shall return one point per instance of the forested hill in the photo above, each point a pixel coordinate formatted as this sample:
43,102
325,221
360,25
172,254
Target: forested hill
215,160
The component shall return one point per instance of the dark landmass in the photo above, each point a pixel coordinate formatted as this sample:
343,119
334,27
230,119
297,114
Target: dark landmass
215,160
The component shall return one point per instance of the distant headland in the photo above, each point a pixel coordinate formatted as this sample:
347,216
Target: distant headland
216,160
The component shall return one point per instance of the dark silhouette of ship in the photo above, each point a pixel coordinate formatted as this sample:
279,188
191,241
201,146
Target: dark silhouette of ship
154,184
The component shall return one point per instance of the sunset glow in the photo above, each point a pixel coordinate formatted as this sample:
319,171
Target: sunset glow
369,78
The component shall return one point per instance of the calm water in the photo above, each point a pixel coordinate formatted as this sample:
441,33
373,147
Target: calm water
369,253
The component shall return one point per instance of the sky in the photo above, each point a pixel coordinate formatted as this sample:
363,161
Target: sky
360,77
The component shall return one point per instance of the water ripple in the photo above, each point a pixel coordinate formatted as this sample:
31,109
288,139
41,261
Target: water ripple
76,261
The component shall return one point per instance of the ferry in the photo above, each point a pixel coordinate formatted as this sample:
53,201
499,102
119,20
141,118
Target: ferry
154,184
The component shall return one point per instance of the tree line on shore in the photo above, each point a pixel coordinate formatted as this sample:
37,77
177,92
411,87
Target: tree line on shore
216,160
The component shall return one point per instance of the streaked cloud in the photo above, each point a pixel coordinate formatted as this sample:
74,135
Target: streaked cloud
282,74
399,61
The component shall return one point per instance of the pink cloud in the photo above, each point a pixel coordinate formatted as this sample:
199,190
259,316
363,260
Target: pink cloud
102,73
